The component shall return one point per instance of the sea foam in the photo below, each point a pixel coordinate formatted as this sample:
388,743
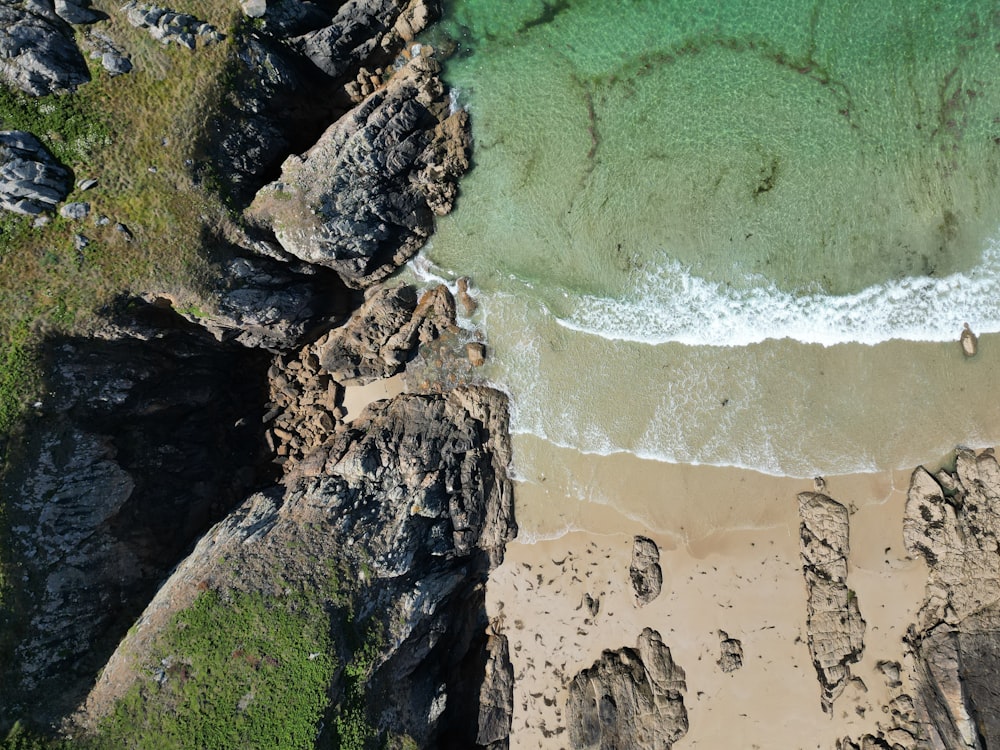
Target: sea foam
670,304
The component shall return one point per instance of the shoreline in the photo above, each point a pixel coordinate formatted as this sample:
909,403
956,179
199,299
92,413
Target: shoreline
729,545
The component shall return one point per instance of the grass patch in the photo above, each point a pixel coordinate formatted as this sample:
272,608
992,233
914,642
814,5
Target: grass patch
242,672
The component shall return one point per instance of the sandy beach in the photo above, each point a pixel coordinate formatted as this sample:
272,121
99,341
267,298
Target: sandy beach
729,542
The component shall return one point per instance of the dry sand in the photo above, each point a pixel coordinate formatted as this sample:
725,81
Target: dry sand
729,544
357,397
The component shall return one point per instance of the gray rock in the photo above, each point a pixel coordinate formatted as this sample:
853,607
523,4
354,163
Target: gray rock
833,621
630,698
168,26
75,211
31,180
952,520
645,572
115,63
731,657
253,8
38,54
362,201
76,12
87,184
496,697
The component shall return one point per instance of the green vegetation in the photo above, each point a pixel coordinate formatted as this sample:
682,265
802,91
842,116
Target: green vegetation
235,672
352,729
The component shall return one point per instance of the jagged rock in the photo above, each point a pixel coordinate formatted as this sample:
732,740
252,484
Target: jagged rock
416,493
952,520
31,180
969,342
134,452
263,304
645,572
362,28
476,353
379,338
75,211
731,657
37,52
76,12
833,620
168,26
496,697
630,698
362,200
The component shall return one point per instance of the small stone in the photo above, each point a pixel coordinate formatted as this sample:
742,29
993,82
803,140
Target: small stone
80,241
87,184
468,304
969,341
75,211
476,353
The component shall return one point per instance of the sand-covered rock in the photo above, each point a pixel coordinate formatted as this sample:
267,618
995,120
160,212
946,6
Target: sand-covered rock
629,698
833,620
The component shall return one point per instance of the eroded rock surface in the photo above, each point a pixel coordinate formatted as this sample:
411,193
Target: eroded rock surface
629,698
645,572
31,180
953,521
362,200
496,697
833,620
143,440
416,494
38,54
731,656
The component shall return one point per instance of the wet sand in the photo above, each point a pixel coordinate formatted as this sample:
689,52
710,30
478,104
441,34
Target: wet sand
729,543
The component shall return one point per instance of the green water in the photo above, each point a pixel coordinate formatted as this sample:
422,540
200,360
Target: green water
674,203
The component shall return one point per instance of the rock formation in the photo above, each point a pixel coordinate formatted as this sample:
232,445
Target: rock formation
833,620
416,494
953,521
168,26
645,572
496,698
629,698
37,52
147,436
362,200
31,180
731,656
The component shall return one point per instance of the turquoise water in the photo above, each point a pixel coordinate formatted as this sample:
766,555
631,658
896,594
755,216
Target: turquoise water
696,226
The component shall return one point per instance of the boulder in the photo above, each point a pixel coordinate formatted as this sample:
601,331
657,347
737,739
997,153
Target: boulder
362,200
629,698
969,342
38,54
75,211
31,180
731,657
833,621
645,572
476,352
76,12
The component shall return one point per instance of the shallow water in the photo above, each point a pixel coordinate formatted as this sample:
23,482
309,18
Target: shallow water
701,230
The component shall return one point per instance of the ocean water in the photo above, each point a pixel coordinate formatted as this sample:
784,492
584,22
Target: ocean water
741,234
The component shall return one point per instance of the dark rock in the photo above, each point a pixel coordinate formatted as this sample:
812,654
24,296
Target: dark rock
593,605
645,572
38,54
362,201
731,657
416,494
496,697
833,621
31,180
135,450
630,698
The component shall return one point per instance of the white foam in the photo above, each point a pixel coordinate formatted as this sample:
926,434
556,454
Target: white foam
673,305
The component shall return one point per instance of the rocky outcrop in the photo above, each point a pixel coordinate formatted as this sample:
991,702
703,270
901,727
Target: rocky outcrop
414,497
953,521
144,439
362,200
731,657
361,29
37,52
496,697
170,27
833,620
645,572
630,698
31,180
77,12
